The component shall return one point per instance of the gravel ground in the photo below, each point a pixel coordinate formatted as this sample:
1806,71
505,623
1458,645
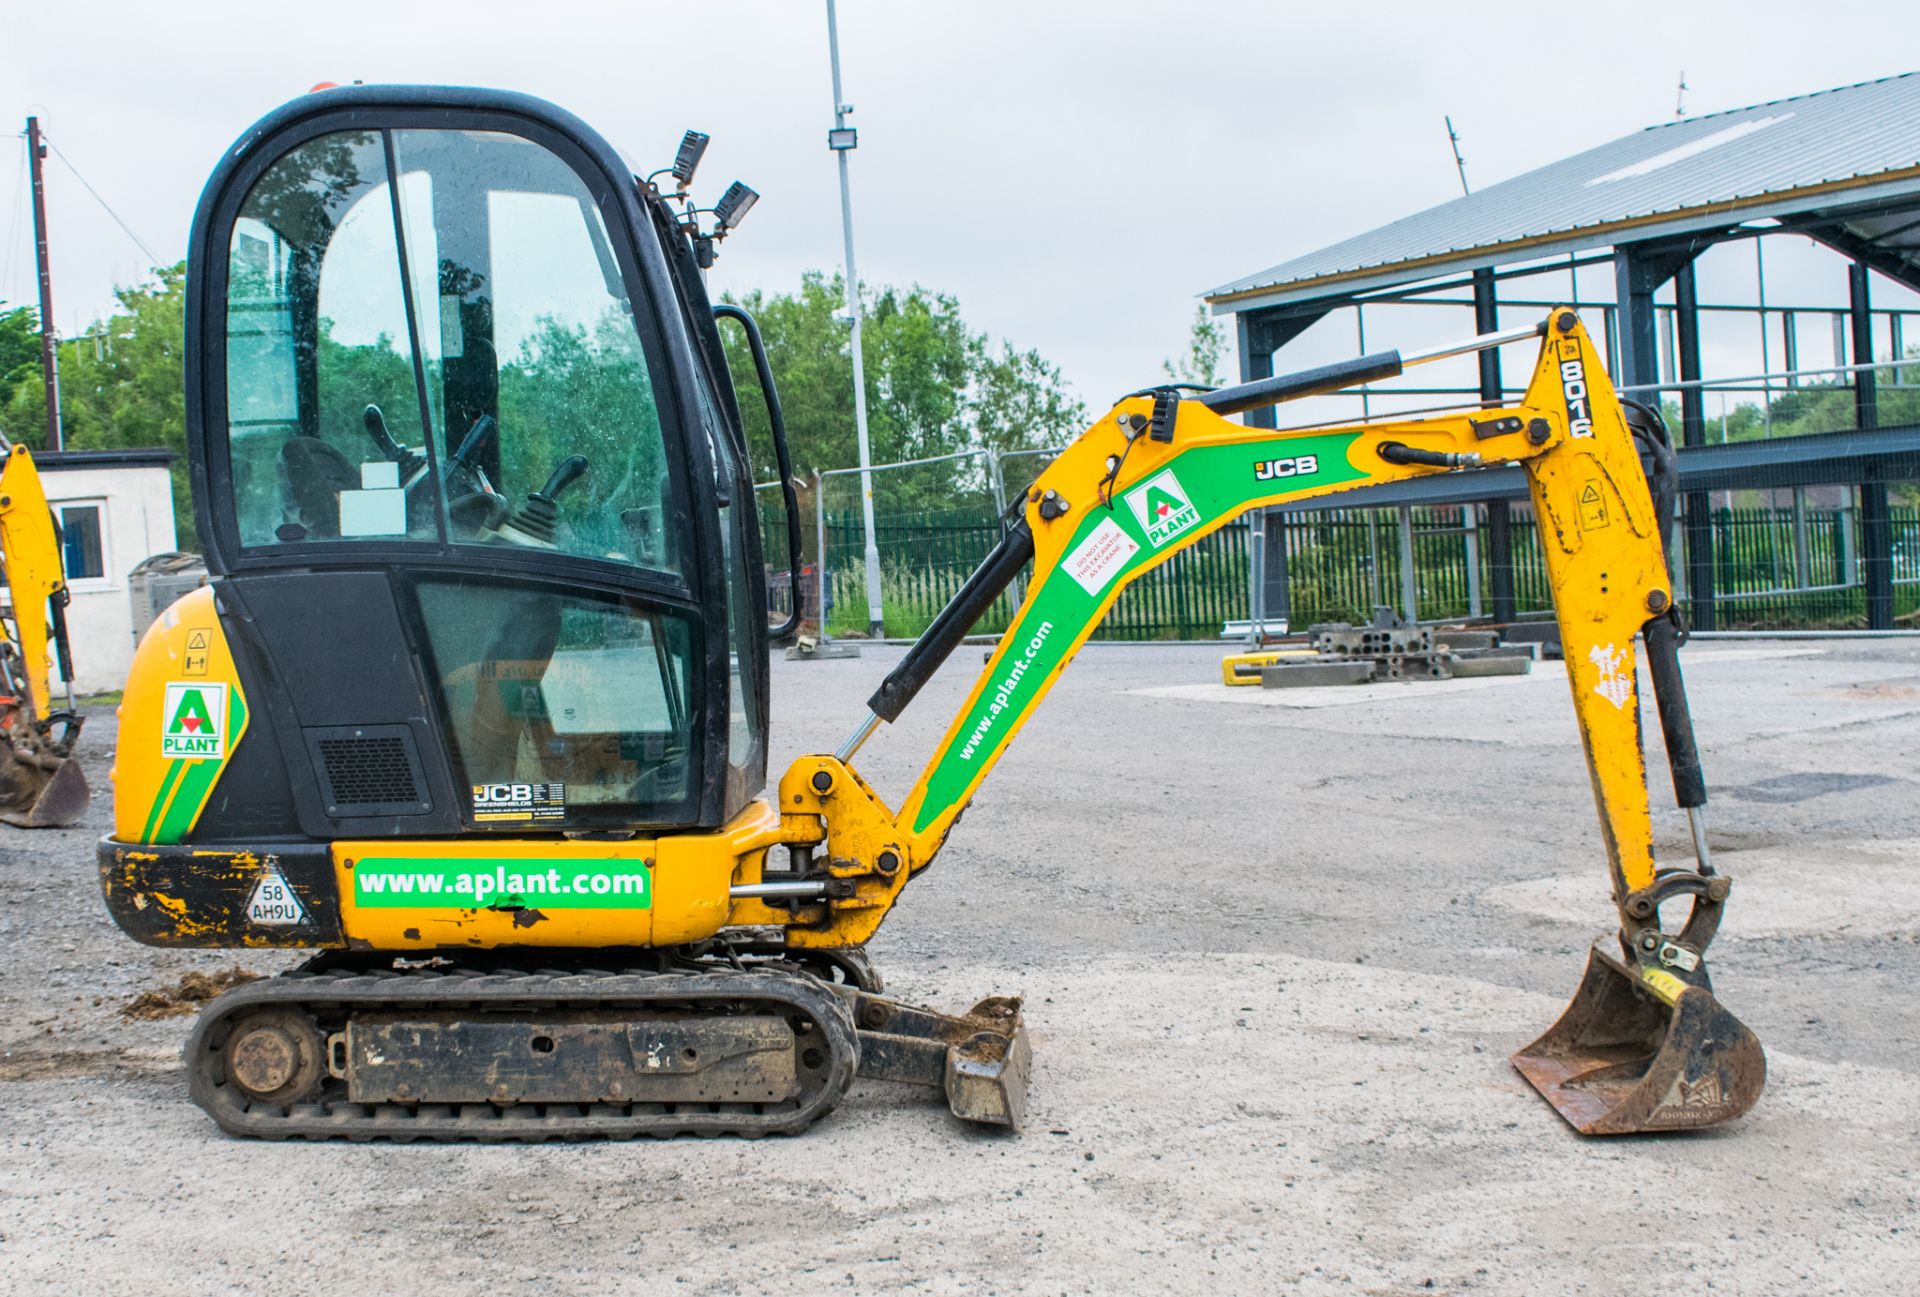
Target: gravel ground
1276,950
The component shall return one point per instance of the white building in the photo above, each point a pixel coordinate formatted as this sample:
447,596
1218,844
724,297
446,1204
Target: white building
115,508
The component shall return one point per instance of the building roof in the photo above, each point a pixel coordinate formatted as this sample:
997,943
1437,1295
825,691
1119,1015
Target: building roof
1835,148
52,461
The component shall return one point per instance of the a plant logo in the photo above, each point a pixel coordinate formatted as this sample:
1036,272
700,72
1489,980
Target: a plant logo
194,725
1162,506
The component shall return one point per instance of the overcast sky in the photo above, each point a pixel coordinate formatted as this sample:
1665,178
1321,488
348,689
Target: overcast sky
1075,172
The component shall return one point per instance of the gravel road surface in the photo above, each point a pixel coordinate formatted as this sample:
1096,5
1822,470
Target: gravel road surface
1277,948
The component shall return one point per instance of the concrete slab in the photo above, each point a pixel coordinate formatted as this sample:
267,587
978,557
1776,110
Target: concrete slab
1841,889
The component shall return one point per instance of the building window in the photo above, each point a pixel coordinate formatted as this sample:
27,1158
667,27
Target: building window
82,551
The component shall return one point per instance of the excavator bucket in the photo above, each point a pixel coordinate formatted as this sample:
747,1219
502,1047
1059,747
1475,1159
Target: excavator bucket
39,790
1642,1050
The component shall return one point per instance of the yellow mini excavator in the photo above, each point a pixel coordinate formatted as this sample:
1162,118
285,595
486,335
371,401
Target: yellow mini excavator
476,701
41,786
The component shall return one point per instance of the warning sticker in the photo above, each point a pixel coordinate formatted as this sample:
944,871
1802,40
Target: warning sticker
519,803
1593,506
274,905
195,663
1099,558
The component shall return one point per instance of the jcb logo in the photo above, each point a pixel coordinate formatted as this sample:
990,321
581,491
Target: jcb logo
496,794
1573,386
1297,466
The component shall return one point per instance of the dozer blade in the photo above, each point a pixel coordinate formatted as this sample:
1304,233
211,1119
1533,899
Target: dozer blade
1644,1051
41,791
980,1061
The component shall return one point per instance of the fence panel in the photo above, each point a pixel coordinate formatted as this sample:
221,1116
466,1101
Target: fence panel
1342,563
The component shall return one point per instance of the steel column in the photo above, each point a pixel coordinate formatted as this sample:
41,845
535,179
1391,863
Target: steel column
1256,362
1268,598
1634,285
1693,432
1409,577
1486,319
1802,553
1876,526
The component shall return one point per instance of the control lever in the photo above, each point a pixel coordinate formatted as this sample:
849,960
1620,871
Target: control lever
472,503
537,519
413,465
483,428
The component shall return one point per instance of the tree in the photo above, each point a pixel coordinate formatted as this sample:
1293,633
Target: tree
19,348
934,387
121,384
1206,344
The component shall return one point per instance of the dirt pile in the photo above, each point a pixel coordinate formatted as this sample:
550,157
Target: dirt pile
186,995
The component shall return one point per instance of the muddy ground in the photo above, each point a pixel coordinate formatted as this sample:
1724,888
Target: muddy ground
1276,951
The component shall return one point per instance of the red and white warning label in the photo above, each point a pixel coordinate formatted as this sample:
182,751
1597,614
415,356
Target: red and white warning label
1102,556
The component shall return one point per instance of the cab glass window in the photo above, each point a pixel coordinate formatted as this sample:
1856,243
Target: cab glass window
430,339
317,343
580,698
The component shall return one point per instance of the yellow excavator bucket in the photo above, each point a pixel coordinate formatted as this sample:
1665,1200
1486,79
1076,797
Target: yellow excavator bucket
1641,1050
40,789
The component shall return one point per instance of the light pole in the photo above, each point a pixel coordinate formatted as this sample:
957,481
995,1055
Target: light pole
843,139
49,353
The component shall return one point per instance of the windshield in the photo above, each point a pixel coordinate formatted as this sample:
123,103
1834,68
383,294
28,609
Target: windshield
450,359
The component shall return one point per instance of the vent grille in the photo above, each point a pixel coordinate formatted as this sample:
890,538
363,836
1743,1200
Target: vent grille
368,771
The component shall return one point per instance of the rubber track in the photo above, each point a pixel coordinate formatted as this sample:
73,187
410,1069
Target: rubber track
336,993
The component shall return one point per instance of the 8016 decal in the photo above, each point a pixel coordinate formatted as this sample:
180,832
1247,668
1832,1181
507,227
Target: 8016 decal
1573,389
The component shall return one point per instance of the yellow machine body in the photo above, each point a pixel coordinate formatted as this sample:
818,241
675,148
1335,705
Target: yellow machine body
1604,561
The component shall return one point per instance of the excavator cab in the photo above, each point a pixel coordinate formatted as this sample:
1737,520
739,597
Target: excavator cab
458,401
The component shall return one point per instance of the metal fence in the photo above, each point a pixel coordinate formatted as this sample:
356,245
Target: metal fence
1776,567
1779,560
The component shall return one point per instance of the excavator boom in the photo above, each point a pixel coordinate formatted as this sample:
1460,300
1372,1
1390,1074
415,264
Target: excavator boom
1159,473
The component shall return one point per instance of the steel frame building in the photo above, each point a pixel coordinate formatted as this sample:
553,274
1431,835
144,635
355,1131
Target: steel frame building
1840,166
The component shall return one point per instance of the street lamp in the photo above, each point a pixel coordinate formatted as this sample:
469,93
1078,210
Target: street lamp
843,139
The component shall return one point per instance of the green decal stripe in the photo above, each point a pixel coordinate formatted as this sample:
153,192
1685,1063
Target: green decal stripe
476,882
196,783
160,799
1221,482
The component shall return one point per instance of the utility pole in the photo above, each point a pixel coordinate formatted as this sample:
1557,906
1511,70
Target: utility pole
49,359
843,139
1459,163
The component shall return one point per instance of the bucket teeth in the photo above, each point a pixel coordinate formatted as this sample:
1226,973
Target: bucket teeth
1643,1051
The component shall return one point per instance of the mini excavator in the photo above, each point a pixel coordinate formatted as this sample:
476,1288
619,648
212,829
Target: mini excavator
41,785
476,701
